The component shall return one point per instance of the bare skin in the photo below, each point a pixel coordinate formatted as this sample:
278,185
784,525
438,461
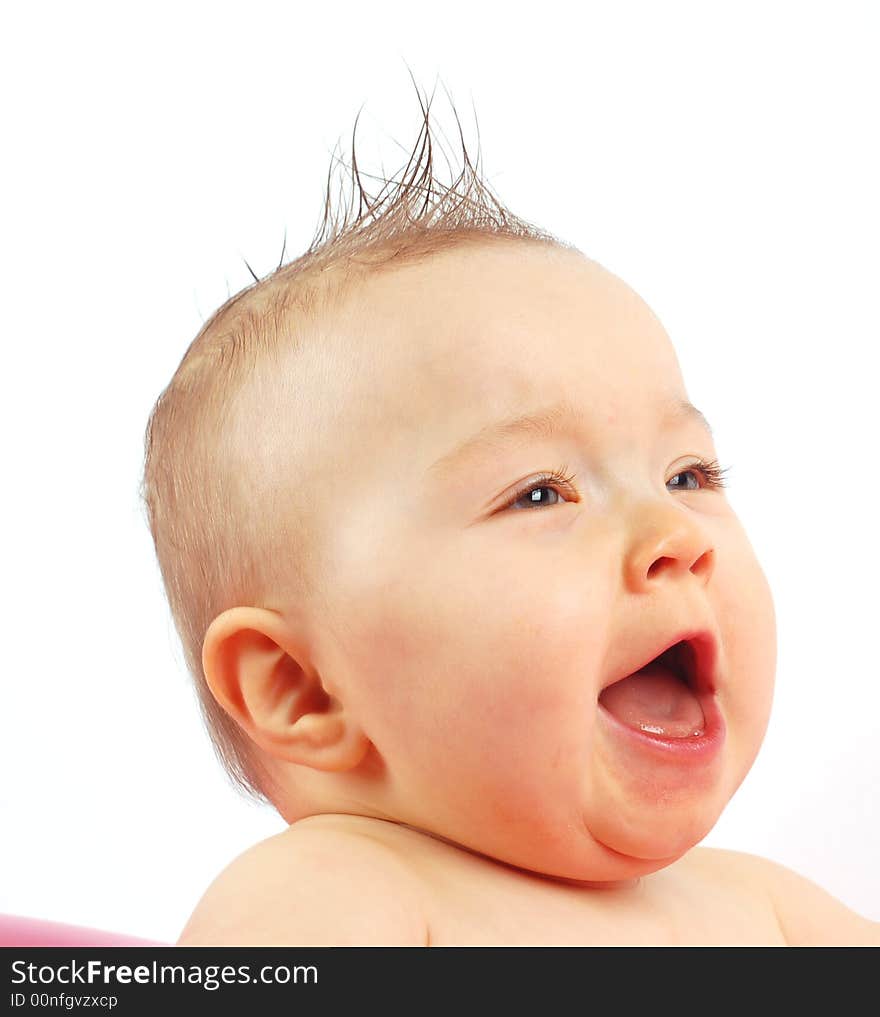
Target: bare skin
434,726
342,880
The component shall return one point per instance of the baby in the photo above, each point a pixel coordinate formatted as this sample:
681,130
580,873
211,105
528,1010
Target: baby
451,560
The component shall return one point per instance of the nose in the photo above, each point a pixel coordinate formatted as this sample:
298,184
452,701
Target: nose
667,543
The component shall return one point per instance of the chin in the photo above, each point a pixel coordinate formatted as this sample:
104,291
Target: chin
608,851
608,869
654,838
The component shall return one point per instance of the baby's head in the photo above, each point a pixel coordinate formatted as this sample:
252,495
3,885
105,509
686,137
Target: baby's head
422,500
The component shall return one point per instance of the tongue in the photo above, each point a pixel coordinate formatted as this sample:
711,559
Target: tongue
656,700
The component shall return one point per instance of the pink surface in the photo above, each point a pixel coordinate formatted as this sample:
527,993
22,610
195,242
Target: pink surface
16,930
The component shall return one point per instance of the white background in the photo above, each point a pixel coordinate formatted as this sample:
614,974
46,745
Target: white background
721,158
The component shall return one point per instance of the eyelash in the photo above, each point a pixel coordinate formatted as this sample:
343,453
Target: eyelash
711,470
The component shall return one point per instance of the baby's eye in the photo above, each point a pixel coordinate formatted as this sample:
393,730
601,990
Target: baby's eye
536,495
713,476
533,494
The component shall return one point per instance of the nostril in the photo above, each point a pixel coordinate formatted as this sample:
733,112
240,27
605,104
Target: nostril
657,565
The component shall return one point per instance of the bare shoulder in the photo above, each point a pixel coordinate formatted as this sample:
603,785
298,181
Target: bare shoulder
316,883
807,914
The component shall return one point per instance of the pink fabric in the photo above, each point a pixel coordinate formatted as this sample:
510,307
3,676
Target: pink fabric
16,930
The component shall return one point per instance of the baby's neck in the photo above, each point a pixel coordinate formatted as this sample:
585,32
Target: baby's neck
612,885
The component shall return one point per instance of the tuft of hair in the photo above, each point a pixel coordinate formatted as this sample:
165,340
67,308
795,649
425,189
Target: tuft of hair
207,500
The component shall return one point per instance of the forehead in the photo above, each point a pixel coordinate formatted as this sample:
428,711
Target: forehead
498,324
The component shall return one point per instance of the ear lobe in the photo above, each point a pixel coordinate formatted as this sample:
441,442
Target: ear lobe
265,684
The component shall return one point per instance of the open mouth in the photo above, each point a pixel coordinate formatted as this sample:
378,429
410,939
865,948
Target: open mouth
662,698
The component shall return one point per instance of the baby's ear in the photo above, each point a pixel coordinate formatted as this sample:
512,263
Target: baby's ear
262,679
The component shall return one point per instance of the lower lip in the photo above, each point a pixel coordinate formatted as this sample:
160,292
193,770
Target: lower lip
694,750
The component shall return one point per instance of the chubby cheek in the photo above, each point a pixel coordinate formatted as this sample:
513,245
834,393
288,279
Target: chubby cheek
482,680
748,620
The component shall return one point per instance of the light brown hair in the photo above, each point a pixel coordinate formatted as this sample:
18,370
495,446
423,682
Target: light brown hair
209,507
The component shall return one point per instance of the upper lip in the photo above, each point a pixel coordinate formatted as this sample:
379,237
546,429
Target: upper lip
697,656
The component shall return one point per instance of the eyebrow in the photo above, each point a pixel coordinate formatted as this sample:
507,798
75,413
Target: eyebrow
543,423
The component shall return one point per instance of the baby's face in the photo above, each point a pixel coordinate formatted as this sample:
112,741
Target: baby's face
478,610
